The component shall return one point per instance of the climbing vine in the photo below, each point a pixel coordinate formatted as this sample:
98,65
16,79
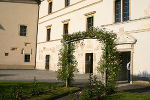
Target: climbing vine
109,62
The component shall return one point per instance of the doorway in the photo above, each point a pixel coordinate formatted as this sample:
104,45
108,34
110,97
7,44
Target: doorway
125,59
89,63
47,62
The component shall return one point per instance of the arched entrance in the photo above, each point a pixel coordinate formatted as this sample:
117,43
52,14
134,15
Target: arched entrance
108,65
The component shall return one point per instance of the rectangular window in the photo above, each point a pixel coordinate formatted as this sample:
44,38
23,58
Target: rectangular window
48,34
66,28
50,7
89,23
6,54
125,10
23,30
121,10
47,62
67,3
27,58
118,11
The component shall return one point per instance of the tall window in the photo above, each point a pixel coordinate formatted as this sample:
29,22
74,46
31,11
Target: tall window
23,30
125,10
89,23
48,34
27,58
118,11
50,7
66,28
121,10
67,3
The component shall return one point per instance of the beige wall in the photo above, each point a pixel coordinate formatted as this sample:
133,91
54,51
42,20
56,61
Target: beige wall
12,16
137,27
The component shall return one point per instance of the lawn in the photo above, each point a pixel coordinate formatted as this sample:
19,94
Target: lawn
127,96
32,90
55,93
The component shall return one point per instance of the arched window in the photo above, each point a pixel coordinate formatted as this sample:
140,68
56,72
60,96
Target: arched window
121,10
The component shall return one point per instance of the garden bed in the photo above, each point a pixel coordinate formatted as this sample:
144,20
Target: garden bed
33,90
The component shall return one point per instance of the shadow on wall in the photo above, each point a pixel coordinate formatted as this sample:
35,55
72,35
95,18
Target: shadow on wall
1,27
143,76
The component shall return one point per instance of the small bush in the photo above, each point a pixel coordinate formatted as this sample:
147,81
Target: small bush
17,93
35,90
95,89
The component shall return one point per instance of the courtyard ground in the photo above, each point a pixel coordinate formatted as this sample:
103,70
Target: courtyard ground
51,76
39,75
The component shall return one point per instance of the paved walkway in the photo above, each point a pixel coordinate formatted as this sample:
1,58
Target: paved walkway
51,76
39,75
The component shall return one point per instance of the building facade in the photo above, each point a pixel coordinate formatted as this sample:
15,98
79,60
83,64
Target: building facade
130,19
18,29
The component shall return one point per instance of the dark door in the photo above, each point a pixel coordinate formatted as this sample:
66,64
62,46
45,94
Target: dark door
89,63
47,62
125,58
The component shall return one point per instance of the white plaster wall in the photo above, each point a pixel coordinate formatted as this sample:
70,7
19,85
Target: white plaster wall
50,48
140,30
12,16
57,5
140,8
86,46
104,16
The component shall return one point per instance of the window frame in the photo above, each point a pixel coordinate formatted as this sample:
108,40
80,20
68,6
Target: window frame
6,54
122,11
48,38
25,58
20,32
50,8
87,28
67,3
64,32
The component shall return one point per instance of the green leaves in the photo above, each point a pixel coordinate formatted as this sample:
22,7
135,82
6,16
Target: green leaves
109,60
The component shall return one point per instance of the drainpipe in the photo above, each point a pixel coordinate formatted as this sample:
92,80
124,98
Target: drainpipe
37,32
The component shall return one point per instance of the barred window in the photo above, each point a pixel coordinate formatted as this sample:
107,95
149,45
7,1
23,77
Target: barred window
26,58
23,30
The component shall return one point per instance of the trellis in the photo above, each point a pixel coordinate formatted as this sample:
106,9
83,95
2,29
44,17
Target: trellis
108,65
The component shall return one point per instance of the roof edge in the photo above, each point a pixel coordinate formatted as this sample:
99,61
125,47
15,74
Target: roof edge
23,1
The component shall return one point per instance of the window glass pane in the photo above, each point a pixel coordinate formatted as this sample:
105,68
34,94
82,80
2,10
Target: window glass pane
89,23
23,30
67,3
125,10
65,28
50,7
48,34
27,58
118,11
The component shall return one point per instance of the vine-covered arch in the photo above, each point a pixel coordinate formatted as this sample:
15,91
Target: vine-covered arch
108,63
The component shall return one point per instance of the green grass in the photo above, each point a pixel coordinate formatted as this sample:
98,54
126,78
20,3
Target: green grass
55,93
127,96
7,88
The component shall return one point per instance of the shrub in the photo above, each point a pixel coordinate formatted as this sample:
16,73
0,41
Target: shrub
35,90
17,93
